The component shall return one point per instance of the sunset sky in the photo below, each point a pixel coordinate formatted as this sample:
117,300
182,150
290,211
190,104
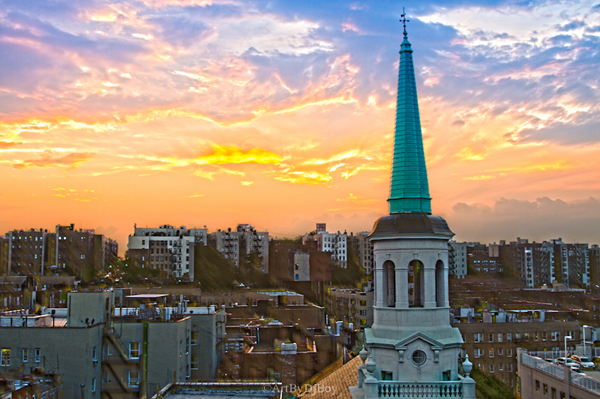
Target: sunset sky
281,114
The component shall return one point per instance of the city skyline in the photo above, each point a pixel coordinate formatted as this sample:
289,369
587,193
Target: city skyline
281,115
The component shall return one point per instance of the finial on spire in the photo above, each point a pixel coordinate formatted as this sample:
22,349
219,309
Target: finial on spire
404,21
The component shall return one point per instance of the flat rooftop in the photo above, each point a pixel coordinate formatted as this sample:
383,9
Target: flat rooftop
221,390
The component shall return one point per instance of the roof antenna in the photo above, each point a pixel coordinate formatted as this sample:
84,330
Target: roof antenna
404,21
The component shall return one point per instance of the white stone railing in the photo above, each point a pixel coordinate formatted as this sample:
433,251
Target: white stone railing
591,384
434,390
550,368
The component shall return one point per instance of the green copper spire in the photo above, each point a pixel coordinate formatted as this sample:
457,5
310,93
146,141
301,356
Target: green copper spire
409,189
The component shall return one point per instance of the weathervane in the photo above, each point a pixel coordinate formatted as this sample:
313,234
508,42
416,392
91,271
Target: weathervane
404,21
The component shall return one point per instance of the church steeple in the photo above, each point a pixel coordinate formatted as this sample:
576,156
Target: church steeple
409,188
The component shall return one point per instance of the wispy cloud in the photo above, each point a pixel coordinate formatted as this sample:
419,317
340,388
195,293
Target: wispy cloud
50,159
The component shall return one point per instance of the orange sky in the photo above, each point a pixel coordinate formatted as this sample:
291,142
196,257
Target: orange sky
209,113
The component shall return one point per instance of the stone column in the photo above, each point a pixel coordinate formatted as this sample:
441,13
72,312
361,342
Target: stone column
402,286
446,300
429,285
379,285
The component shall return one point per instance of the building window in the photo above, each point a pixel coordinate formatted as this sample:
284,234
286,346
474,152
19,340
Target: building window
478,337
93,385
180,348
555,335
94,354
25,355
491,352
37,355
134,378
491,338
5,357
194,338
491,368
545,389
478,352
419,357
508,337
537,385
500,351
187,345
517,337
509,352
195,362
553,393
499,337
134,350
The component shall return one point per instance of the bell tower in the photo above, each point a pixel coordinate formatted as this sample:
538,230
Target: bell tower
412,347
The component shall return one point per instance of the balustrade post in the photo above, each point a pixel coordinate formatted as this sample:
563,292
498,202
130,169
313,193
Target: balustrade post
371,388
468,388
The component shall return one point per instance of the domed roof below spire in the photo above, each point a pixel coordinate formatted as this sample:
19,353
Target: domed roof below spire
410,224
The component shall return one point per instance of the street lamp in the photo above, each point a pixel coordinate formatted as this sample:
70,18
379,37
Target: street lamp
584,351
566,338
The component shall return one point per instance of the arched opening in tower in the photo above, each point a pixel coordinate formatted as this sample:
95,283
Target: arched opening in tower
440,287
415,283
390,283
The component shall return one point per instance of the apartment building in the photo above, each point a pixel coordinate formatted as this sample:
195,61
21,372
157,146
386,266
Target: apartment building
334,243
228,243
127,354
352,307
535,263
363,248
167,248
79,252
245,240
457,259
492,338
255,241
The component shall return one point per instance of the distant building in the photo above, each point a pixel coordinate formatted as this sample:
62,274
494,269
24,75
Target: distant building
167,248
245,240
228,243
534,263
350,306
548,262
491,338
255,242
594,259
334,243
82,252
364,250
457,258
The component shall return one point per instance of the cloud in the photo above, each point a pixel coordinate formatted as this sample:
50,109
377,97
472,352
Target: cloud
541,219
232,155
50,159
9,144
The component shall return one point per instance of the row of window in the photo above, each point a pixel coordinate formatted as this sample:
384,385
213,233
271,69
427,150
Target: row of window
497,367
27,356
500,351
536,336
552,391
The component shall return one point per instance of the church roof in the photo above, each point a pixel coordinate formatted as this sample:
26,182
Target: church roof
336,384
410,224
409,188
